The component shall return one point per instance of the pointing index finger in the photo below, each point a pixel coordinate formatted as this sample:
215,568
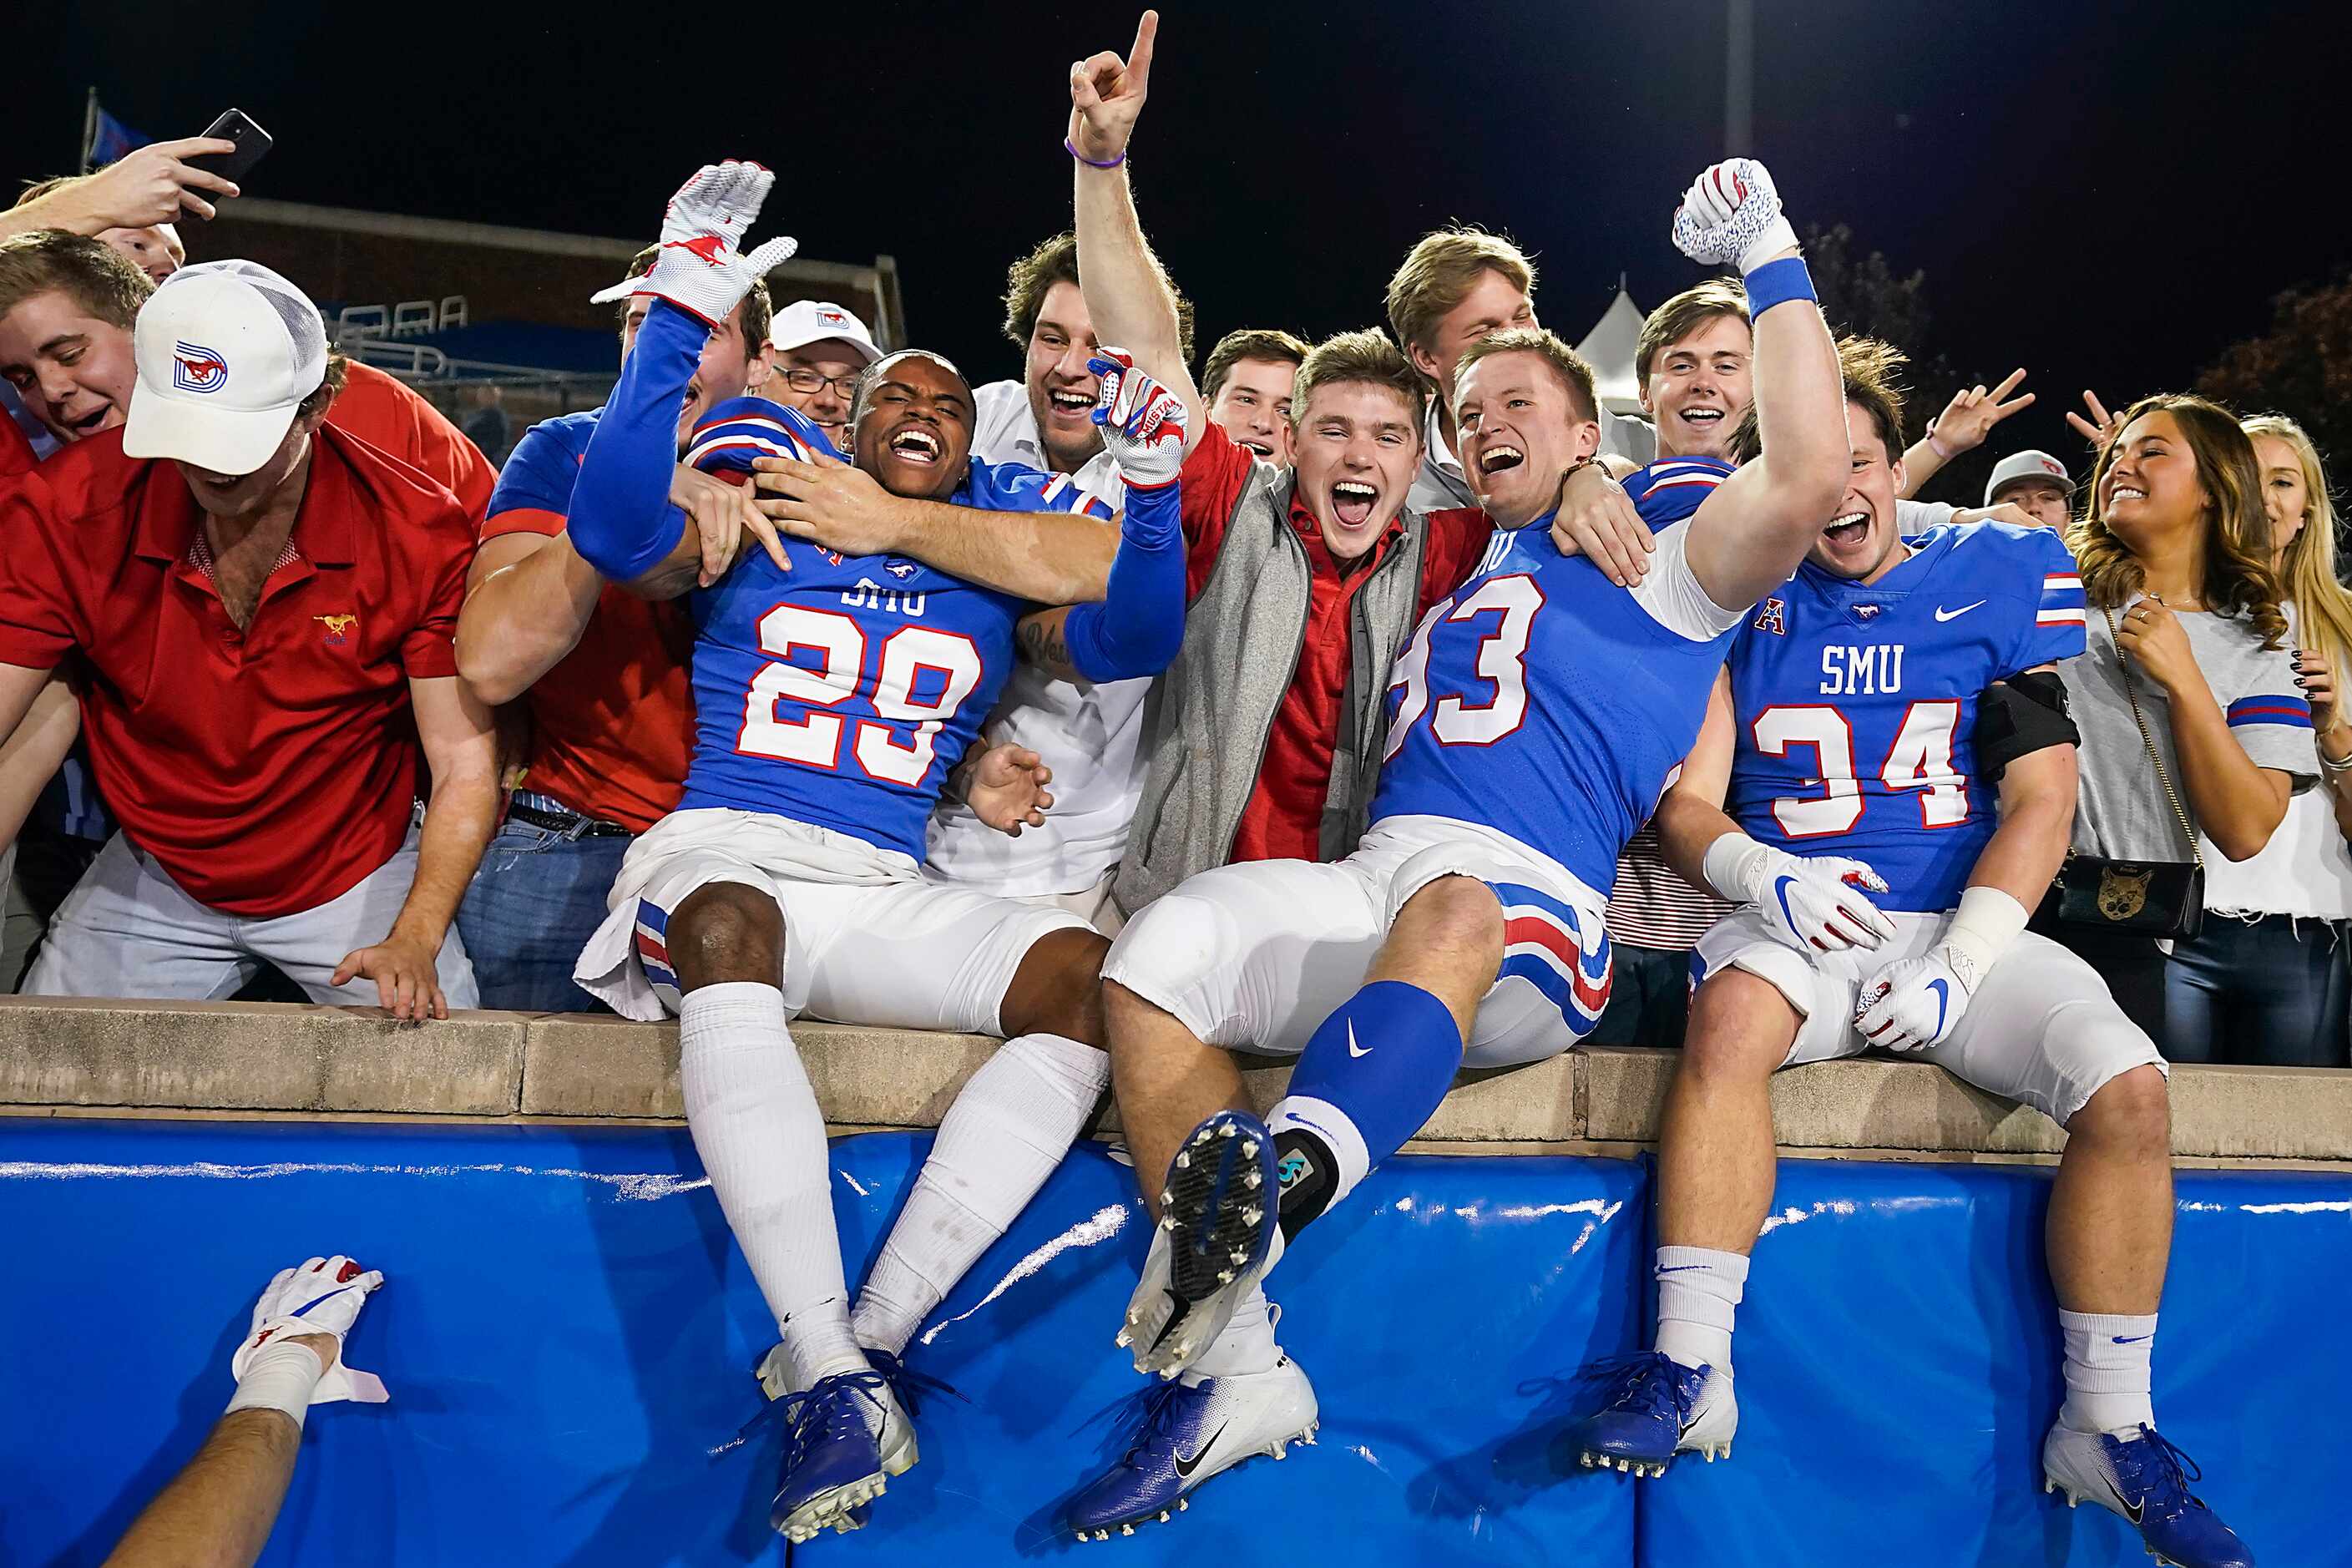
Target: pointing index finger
1138,57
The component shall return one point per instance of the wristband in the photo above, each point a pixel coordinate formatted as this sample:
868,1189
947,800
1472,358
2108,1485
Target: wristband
1071,148
1777,283
282,1377
1982,929
1937,446
1731,867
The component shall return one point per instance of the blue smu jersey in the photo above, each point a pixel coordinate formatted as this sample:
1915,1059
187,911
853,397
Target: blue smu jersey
539,474
1543,700
842,693
1857,707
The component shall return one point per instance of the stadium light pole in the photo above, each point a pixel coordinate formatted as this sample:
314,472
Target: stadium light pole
1738,77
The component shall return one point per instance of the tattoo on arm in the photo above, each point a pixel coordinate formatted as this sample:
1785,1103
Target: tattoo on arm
1041,641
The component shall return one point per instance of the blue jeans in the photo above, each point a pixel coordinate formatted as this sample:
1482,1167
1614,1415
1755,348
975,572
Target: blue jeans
2265,993
1649,998
536,899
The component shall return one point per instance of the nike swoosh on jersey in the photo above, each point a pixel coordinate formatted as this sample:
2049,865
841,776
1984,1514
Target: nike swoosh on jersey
1186,1466
1944,614
1354,1049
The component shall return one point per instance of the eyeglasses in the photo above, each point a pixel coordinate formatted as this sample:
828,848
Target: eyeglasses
808,382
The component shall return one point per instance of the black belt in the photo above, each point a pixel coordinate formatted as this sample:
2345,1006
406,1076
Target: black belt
570,822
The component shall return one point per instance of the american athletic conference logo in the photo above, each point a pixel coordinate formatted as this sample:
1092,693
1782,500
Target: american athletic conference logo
195,368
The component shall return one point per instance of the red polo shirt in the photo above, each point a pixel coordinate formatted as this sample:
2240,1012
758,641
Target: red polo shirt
1283,820
267,769
386,411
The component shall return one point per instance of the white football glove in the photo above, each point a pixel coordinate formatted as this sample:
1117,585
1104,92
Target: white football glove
1731,215
700,268
1915,1003
1812,903
1142,421
323,1296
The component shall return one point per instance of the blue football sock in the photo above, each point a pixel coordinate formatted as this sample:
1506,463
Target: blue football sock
1367,1081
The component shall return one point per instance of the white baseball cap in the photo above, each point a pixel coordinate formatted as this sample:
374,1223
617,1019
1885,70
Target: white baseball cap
227,351
2028,464
806,321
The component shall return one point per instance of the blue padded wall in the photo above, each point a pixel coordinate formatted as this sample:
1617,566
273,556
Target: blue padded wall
567,1327
1898,1365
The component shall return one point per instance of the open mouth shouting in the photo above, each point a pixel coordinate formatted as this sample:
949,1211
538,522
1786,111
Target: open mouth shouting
1847,530
913,444
1499,456
87,422
1070,407
1352,501
1257,449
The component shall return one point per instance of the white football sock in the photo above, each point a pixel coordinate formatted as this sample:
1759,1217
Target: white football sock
1698,1296
1008,1128
2108,1370
1246,1343
761,1137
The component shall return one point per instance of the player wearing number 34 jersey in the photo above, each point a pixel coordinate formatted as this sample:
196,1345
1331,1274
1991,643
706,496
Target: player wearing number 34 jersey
1886,784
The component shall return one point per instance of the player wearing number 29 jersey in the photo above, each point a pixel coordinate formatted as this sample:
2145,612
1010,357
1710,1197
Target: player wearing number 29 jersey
866,677
1856,706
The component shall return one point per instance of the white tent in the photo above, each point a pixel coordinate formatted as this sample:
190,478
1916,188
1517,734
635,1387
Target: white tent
1608,348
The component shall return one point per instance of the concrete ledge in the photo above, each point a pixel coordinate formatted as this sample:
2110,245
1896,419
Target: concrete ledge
254,1056
178,1058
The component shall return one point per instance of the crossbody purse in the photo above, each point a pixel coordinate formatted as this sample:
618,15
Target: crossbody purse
2140,898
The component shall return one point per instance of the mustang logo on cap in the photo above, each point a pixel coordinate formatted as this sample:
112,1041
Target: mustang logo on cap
195,368
832,318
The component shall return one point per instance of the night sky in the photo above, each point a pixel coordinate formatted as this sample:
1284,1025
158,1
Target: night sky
2106,194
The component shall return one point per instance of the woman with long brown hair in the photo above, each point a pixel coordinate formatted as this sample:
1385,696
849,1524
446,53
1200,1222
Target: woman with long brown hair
2194,732
2266,981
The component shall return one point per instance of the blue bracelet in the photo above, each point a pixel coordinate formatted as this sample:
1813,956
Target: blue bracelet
1068,146
1777,283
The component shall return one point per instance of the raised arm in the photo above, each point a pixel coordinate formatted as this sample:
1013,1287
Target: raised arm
1127,291
148,185
1139,623
1962,427
1752,531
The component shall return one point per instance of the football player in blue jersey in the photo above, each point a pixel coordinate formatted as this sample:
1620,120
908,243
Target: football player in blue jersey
834,695
1885,785
1467,917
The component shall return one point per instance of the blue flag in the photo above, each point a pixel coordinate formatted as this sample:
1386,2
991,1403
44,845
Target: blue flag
111,139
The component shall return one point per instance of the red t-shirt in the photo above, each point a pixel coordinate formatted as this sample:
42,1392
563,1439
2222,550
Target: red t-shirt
1283,820
612,722
267,769
385,411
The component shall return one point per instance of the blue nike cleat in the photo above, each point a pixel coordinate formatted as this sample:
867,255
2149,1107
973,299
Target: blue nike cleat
833,1458
1654,1408
2145,1480
1216,1228
1187,1430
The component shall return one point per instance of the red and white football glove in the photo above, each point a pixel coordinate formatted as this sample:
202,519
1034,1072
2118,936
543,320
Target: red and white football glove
1915,1003
322,1296
1731,215
1814,903
1142,421
700,268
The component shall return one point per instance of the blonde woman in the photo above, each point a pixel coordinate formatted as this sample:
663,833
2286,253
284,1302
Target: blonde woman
2266,981
2175,557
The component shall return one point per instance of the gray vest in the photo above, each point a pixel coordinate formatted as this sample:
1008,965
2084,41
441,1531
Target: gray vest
1205,733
